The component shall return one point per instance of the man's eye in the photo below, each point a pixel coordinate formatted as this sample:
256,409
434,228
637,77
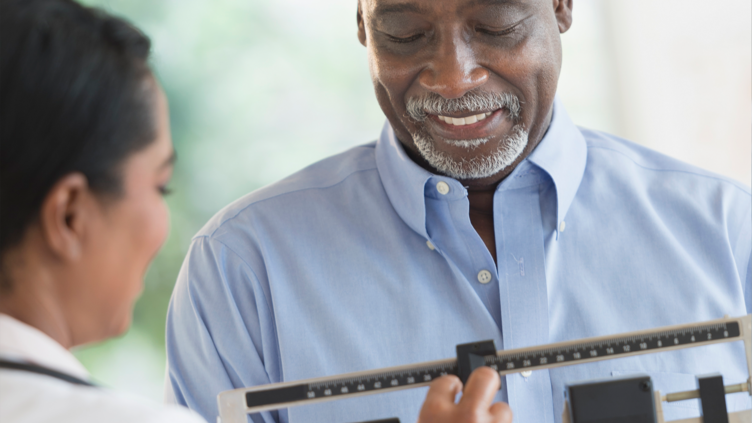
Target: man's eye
164,191
497,33
404,40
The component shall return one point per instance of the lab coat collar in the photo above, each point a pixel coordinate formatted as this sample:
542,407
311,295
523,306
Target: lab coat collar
21,342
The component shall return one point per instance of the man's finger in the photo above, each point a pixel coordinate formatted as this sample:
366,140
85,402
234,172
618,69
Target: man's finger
481,388
501,413
440,399
444,390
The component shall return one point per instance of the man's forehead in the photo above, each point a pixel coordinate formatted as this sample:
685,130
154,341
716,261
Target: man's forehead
378,8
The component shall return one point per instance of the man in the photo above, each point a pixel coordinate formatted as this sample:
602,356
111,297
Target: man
482,212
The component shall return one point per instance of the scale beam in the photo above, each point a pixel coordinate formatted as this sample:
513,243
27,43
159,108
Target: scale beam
235,404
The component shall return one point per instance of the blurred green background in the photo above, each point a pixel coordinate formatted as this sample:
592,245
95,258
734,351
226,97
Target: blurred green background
261,88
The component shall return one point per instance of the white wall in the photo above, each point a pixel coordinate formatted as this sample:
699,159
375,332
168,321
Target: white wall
673,75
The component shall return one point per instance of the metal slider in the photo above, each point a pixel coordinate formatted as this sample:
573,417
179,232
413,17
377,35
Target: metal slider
687,395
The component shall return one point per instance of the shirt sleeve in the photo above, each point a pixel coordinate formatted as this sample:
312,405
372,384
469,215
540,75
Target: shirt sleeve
212,344
743,253
748,286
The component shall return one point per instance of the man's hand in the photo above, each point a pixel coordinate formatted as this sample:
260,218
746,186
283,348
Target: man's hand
475,406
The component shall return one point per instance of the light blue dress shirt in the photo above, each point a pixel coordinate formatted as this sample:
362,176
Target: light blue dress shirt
364,260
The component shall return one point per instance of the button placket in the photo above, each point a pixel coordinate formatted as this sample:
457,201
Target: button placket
523,290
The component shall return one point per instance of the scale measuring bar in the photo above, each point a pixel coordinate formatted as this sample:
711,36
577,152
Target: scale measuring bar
235,404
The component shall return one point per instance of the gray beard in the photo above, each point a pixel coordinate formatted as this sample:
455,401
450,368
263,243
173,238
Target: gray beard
508,150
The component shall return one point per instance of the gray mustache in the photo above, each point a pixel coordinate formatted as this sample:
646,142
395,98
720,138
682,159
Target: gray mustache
418,108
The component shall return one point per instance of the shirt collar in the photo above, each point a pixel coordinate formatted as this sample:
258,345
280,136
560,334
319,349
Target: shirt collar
562,154
403,180
21,342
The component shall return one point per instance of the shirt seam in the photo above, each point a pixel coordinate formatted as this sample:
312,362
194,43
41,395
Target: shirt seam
745,223
748,218
258,280
721,179
234,216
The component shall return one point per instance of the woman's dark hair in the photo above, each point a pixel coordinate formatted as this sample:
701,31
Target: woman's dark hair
75,96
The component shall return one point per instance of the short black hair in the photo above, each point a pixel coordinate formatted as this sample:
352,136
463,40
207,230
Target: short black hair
76,95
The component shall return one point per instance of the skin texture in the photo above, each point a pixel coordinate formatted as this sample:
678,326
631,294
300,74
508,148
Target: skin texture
80,266
450,47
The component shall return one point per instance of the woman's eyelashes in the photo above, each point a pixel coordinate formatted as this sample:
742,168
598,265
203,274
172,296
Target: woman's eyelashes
164,190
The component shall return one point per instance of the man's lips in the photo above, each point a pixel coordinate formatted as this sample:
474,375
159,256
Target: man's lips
489,125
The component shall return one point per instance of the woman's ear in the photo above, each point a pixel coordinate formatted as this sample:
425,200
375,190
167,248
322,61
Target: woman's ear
563,12
64,216
361,26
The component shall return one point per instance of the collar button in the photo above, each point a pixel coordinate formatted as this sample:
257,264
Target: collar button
443,188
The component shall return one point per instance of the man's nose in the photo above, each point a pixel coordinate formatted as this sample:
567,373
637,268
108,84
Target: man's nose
453,71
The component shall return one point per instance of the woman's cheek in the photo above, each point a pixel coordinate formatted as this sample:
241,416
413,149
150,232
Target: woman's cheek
162,226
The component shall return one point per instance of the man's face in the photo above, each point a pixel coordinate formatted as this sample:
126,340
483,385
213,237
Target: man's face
468,85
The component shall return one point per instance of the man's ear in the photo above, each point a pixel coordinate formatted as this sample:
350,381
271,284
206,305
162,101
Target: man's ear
361,25
563,12
64,214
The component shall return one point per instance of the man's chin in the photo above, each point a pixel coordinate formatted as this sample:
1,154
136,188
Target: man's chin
471,159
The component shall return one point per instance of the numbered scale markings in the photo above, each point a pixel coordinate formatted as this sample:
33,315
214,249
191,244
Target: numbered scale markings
338,387
505,362
613,347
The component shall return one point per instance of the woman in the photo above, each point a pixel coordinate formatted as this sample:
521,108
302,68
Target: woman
85,158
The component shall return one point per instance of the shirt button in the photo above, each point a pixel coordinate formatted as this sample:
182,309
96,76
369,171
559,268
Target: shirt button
484,276
526,374
430,245
562,226
443,188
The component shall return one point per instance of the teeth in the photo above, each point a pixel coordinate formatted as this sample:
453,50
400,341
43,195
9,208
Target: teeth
464,121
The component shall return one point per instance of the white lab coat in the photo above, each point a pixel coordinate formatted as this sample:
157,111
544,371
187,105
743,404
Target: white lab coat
27,397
